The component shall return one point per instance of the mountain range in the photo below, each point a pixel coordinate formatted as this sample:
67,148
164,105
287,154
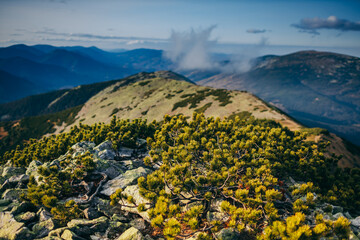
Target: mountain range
148,96
318,89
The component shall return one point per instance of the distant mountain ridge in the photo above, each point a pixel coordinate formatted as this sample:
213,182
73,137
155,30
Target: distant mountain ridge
318,88
50,68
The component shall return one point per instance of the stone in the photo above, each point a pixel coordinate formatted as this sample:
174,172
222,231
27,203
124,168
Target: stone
25,217
125,152
69,235
104,207
111,168
42,229
91,213
8,172
131,234
228,234
13,194
107,145
57,232
115,229
124,180
337,209
23,178
133,191
138,223
49,238
339,214
356,222
107,154
4,202
96,225
23,207
347,215
11,229
217,216
43,215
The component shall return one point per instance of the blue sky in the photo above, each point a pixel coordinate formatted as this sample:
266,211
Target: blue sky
110,24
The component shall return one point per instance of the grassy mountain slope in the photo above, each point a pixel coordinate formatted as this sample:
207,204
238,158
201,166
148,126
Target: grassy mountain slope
317,88
51,102
152,95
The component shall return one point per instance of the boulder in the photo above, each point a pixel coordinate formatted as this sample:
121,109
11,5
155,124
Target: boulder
82,147
138,223
356,222
84,227
228,234
337,209
25,217
217,216
42,229
133,191
107,145
111,168
107,154
91,213
339,214
124,180
43,215
104,207
115,229
8,172
13,194
131,234
125,152
69,235
4,202
11,229
57,232
32,168
23,207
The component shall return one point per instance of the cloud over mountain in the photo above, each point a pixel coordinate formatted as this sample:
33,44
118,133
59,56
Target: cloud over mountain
311,25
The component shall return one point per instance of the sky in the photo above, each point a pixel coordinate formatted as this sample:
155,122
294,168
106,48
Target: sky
274,26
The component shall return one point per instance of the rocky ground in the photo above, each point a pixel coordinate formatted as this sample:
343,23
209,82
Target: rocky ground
114,170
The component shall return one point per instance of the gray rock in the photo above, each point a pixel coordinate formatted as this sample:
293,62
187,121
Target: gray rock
91,213
228,234
69,235
125,152
103,146
96,225
4,202
13,194
11,229
42,229
337,209
217,216
104,207
33,166
124,180
25,217
356,222
82,147
107,154
115,229
138,223
43,215
133,191
23,207
337,215
131,234
347,215
8,172
111,168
